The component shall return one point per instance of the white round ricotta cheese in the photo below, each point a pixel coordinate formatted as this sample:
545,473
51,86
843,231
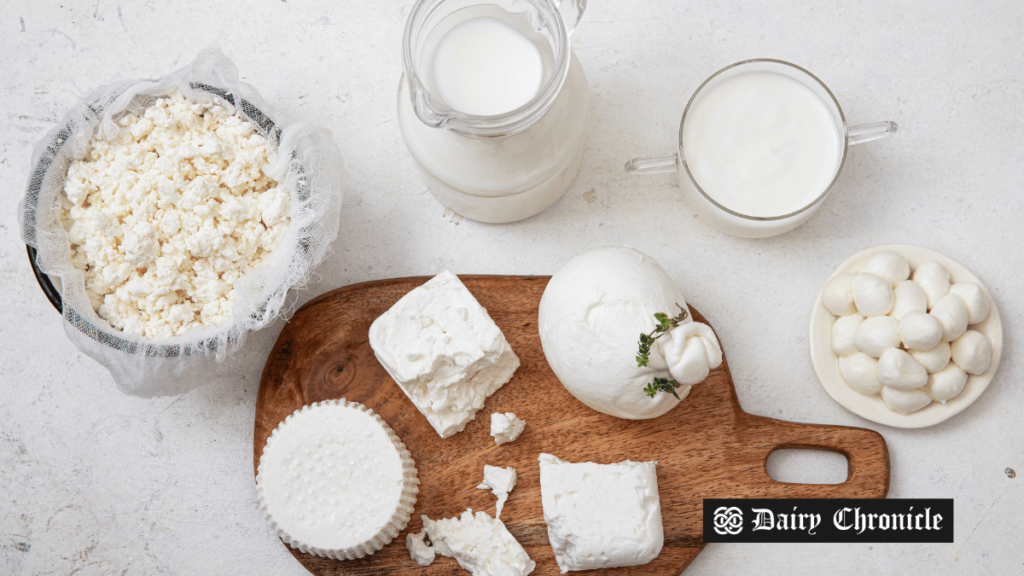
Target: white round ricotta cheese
590,320
334,480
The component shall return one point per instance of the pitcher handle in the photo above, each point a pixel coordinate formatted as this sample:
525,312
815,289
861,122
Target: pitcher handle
653,164
868,132
572,12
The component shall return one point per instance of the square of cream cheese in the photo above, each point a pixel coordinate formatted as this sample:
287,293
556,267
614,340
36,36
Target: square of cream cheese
601,515
443,350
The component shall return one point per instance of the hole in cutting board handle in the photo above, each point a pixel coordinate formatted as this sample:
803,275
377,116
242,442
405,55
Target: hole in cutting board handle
796,466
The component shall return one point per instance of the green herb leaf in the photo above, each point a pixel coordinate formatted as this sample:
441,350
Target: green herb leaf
664,325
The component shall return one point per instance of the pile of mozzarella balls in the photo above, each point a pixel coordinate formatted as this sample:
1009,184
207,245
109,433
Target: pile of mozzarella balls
904,338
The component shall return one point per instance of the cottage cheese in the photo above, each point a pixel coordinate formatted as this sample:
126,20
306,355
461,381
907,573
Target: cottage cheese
443,351
500,481
601,515
169,212
506,427
480,544
334,480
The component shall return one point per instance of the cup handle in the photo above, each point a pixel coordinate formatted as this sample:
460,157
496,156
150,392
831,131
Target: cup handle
653,164
868,132
572,12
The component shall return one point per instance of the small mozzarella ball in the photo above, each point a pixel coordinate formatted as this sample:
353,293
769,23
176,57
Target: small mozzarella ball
872,294
920,331
888,265
933,279
861,372
843,330
972,352
952,313
909,298
877,334
904,401
975,299
946,384
899,370
837,295
935,359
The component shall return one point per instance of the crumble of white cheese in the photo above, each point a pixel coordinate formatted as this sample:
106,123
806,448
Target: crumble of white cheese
500,481
506,427
169,212
421,553
480,544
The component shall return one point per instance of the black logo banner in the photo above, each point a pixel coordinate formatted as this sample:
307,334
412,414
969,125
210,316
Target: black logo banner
907,520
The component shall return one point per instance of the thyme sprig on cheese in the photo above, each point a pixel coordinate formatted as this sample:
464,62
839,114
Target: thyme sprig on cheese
665,324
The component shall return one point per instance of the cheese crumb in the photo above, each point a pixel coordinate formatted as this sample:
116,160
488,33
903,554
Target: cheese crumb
500,481
170,211
480,544
420,552
506,427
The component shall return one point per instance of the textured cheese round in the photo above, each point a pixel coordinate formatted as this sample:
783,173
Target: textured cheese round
334,480
590,319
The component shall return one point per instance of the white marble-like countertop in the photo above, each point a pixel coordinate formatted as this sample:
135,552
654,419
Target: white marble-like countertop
93,482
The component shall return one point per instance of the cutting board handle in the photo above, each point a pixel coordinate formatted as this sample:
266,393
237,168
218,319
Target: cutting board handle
865,450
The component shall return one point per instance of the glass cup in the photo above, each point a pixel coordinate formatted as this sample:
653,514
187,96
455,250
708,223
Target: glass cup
730,220
504,167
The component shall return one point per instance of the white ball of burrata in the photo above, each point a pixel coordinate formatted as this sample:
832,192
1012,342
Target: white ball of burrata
590,320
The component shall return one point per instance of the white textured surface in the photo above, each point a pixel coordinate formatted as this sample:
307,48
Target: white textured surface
101,483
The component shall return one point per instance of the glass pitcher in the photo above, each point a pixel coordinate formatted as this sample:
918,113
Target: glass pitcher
504,167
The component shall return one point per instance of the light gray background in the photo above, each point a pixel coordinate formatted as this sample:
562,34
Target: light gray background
95,482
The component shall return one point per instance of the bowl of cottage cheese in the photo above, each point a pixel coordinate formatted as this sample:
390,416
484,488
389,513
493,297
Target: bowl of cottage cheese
167,211
167,221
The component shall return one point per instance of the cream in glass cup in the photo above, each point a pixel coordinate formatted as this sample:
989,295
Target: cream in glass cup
761,144
482,161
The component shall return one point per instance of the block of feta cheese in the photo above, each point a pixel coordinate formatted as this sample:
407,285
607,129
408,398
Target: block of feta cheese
334,480
506,427
601,515
444,351
500,481
480,544
421,553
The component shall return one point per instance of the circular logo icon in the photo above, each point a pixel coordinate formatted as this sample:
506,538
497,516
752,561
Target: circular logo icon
728,520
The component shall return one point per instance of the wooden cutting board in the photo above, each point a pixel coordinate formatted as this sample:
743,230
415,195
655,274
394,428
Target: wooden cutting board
707,447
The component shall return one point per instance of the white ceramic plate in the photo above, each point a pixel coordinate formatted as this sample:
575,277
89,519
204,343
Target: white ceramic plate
826,363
